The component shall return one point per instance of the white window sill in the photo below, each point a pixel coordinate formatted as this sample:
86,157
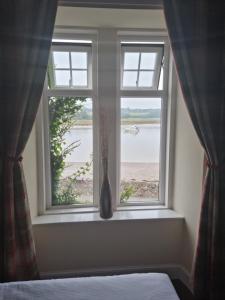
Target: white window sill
153,214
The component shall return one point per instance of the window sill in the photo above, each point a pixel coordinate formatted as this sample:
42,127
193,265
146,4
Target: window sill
125,215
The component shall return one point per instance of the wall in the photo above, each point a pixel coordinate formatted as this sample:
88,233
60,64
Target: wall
72,246
187,179
122,18
82,246
30,172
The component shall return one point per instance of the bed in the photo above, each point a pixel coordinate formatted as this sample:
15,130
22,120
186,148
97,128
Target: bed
150,286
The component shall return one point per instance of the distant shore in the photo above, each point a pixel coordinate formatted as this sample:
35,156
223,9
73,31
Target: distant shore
130,121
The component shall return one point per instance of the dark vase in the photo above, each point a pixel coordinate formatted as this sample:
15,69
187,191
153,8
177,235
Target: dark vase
106,211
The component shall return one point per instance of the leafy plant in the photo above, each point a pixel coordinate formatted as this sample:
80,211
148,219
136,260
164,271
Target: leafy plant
127,192
62,115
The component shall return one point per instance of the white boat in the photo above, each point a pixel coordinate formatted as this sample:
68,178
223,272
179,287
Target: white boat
132,129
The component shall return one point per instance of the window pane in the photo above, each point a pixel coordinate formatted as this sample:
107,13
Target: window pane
62,78
140,149
61,60
79,60
71,149
79,78
130,78
145,79
131,60
148,61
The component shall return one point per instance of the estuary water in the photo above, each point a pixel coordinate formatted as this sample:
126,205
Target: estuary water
139,144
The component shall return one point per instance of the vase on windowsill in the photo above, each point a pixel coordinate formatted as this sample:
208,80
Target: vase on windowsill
106,211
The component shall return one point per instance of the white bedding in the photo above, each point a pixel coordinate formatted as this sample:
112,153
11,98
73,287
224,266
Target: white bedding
150,286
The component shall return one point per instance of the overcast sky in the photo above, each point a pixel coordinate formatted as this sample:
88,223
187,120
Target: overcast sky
146,103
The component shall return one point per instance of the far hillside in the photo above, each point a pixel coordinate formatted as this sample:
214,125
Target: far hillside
128,116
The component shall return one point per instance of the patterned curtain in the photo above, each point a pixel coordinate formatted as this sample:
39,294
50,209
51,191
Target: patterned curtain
197,35
26,28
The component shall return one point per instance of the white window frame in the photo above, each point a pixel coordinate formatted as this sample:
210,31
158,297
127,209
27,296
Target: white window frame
73,48
142,48
146,37
91,91
107,90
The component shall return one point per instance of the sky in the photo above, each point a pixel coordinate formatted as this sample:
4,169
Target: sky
141,103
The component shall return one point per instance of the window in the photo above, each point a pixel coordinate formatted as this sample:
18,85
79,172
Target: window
141,66
70,66
67,118
143,123
112,81
140,150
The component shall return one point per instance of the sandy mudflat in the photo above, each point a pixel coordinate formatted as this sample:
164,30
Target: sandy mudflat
129,171
140,171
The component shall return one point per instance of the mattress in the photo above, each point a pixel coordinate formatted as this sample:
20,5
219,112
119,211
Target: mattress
150,286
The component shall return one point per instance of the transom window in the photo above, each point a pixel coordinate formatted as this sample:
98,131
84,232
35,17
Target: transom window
141,66
70,66
111,83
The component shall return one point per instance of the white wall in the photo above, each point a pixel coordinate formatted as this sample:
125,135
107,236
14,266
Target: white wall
30,172
187,179
82,246
63,247
122,18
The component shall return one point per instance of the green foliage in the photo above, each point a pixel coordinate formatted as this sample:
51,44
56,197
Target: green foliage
81,171
66,196
127,192
62,112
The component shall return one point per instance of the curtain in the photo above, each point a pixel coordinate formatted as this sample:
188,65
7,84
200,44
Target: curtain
197,35
26,28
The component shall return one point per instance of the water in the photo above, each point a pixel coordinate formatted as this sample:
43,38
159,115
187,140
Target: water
142,147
